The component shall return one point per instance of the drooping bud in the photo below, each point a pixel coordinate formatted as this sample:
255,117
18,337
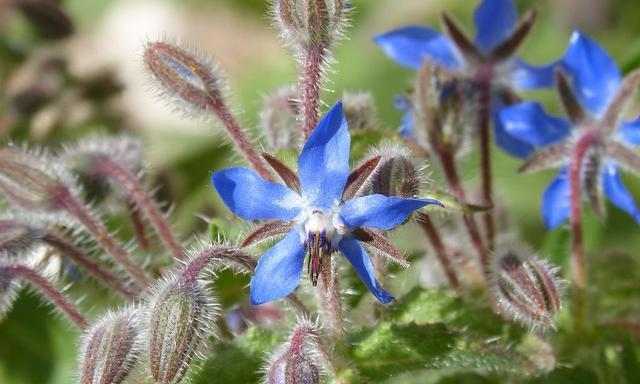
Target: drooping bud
396,174
111,348
310,22
191,81
359,110
180,321
524,287
278,118
300,360
16,239
443,109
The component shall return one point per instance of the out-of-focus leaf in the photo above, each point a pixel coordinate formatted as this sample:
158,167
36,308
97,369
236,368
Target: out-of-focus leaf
390,349
575,375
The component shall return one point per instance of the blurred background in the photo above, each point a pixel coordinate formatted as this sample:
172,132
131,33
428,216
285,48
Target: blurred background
66,79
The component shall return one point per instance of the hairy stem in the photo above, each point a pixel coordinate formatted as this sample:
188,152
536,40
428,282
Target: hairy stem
331,301
100,233
310,80
484,83
579,279
239,138
48,290
138,226
453,179
438,246
144,201
94,268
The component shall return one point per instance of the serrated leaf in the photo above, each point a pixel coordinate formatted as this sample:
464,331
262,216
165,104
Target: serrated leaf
390,349
240,360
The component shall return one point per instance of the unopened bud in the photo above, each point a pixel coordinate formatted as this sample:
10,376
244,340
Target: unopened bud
278,118
15,238
192,81
525,288
396,174
180,320
310,22
443,108
298,361
359,110
110,349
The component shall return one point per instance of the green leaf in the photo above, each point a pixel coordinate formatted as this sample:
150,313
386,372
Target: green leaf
425,306
390,349
240,360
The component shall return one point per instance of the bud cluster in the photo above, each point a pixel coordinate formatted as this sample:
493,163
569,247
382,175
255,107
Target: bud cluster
305,23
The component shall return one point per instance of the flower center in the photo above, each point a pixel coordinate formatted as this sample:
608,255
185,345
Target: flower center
320,231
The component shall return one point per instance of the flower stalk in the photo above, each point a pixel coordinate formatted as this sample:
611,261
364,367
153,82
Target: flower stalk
441,253
484,79
8,272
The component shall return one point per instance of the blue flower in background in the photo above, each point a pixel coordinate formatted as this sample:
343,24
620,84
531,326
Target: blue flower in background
595,104
489,58
321,223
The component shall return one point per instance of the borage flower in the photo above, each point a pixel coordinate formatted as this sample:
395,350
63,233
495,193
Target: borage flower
488,61
317,212
594,139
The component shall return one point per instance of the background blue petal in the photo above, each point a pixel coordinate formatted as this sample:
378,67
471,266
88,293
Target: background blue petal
279,270
409,46
378,211
252,198
556,202
530,123
527,76
596,76
323,166
630,132
617,193
402,103
361,262
495,20
508,143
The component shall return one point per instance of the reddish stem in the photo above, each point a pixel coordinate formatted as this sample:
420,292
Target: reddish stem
586,141
310,79
138,226
143,200
484,79
237,135
102,236
438,246
82,259
50,292
453,179
331,300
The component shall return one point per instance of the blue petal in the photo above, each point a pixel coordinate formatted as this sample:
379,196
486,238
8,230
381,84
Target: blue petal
409,46
630,132
378,211
617,193
278,271
358,257
403,104
596,77
252,198
494,21
509,143
556,201
528,122
526,76
323,165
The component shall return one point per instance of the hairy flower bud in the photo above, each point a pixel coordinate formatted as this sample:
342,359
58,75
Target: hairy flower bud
110,349
299,360
359,110
180,320
9,287
16,239
443,106
278,118
191,81
396,174
310,22
524,287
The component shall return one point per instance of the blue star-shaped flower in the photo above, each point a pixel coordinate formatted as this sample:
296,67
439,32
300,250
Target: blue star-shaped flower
490,56
320,222
595,104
